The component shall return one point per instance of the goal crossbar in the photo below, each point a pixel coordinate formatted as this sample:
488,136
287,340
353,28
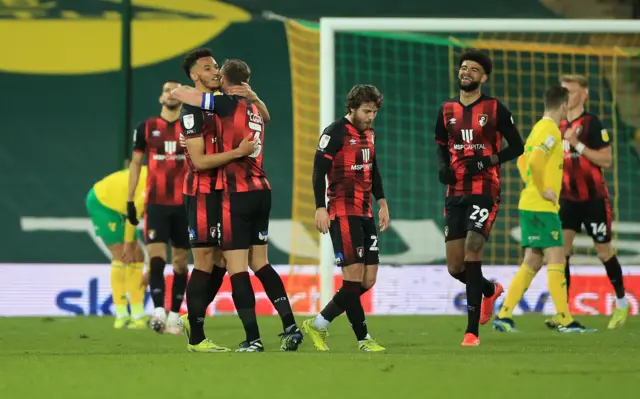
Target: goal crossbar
329,26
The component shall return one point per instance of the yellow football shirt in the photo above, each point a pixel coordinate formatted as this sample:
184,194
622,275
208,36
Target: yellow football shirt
113,190
546,137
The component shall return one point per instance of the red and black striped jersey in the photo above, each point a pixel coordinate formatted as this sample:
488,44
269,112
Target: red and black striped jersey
240,118
583,180
159,139
471,131
351,176
197,122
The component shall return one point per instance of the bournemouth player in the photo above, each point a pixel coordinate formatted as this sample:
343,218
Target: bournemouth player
106,204
541,169
165,216
584,200
346,156
202,201
245,203
469,132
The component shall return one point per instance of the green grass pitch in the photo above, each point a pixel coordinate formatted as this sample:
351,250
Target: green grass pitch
86,358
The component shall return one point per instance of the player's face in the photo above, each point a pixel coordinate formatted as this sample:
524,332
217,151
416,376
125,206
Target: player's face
470,76
577,95
206,71
363,116
165,98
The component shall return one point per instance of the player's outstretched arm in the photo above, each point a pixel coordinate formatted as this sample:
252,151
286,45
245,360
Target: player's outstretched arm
191,96
244,90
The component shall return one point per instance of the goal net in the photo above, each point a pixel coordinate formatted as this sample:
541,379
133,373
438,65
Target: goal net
416,71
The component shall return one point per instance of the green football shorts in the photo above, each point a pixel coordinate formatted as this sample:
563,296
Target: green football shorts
540,229
107,223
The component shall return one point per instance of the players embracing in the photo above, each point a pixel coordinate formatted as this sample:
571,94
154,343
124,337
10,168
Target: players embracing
346,156
241,189
469,132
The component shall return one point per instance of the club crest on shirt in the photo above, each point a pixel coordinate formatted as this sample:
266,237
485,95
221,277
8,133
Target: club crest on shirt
483,119
373,137
188,121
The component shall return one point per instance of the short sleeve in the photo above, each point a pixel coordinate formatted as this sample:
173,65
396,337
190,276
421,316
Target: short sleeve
192,121
547,141
598,136
331,140
139,137
441,133
225,104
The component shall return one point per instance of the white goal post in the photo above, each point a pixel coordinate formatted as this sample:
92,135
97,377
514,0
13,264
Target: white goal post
329,26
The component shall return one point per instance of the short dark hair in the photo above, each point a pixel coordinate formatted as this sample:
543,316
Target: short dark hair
236,71
555,96
193,56
479,57
360,94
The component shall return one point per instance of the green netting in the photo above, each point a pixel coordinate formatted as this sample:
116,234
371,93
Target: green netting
416,72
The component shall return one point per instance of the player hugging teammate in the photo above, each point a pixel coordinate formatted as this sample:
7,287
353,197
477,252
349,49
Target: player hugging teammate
238,193
469,132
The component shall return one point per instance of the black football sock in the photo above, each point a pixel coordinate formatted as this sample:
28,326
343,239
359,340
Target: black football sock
215,282
460,276
331,311
197,304
177,291
156,281
245,301
274,288
614,271
474,295
353,308
488,288
567,274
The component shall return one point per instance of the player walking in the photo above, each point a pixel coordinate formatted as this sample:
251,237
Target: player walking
585,200
469,132
346,156
164,213
541,169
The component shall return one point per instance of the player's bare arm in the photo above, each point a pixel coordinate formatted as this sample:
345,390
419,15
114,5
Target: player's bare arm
601,157
202,161
378,193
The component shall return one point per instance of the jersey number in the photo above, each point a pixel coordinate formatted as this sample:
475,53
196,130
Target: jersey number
483,212
599,229
257,145
374,245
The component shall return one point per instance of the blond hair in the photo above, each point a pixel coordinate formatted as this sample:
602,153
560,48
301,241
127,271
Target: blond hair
581,80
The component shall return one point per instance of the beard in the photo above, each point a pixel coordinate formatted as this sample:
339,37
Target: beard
470,87
172,107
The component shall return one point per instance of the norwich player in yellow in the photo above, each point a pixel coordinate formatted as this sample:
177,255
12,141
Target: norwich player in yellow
541,169
107,207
